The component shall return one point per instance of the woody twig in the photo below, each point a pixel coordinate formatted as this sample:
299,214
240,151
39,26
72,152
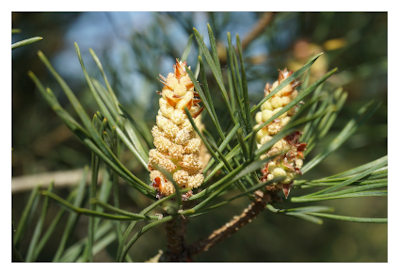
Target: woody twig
237,222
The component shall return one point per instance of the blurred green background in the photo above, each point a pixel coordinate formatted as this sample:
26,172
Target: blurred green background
134,47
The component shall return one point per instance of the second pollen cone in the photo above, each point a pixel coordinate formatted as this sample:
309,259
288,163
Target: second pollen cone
287,164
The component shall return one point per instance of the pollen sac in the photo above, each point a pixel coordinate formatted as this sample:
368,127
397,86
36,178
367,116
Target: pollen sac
163,160
193,146
289,150
177,144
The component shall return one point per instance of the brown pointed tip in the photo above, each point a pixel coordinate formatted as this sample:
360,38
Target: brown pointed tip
286,193
286,190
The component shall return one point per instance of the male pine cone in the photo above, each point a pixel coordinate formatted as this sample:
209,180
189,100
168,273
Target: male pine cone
177,144
289,149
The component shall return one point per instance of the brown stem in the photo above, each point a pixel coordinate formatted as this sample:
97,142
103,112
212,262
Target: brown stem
257,29
176,245
175,241
250,213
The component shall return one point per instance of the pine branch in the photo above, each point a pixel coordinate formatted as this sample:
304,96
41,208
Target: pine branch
257,29
237,222
176,247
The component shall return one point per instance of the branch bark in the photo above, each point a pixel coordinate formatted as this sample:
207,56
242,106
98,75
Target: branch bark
237,222
257,29
176,247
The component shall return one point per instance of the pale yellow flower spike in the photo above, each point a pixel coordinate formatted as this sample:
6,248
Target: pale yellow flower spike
177,144
289,164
